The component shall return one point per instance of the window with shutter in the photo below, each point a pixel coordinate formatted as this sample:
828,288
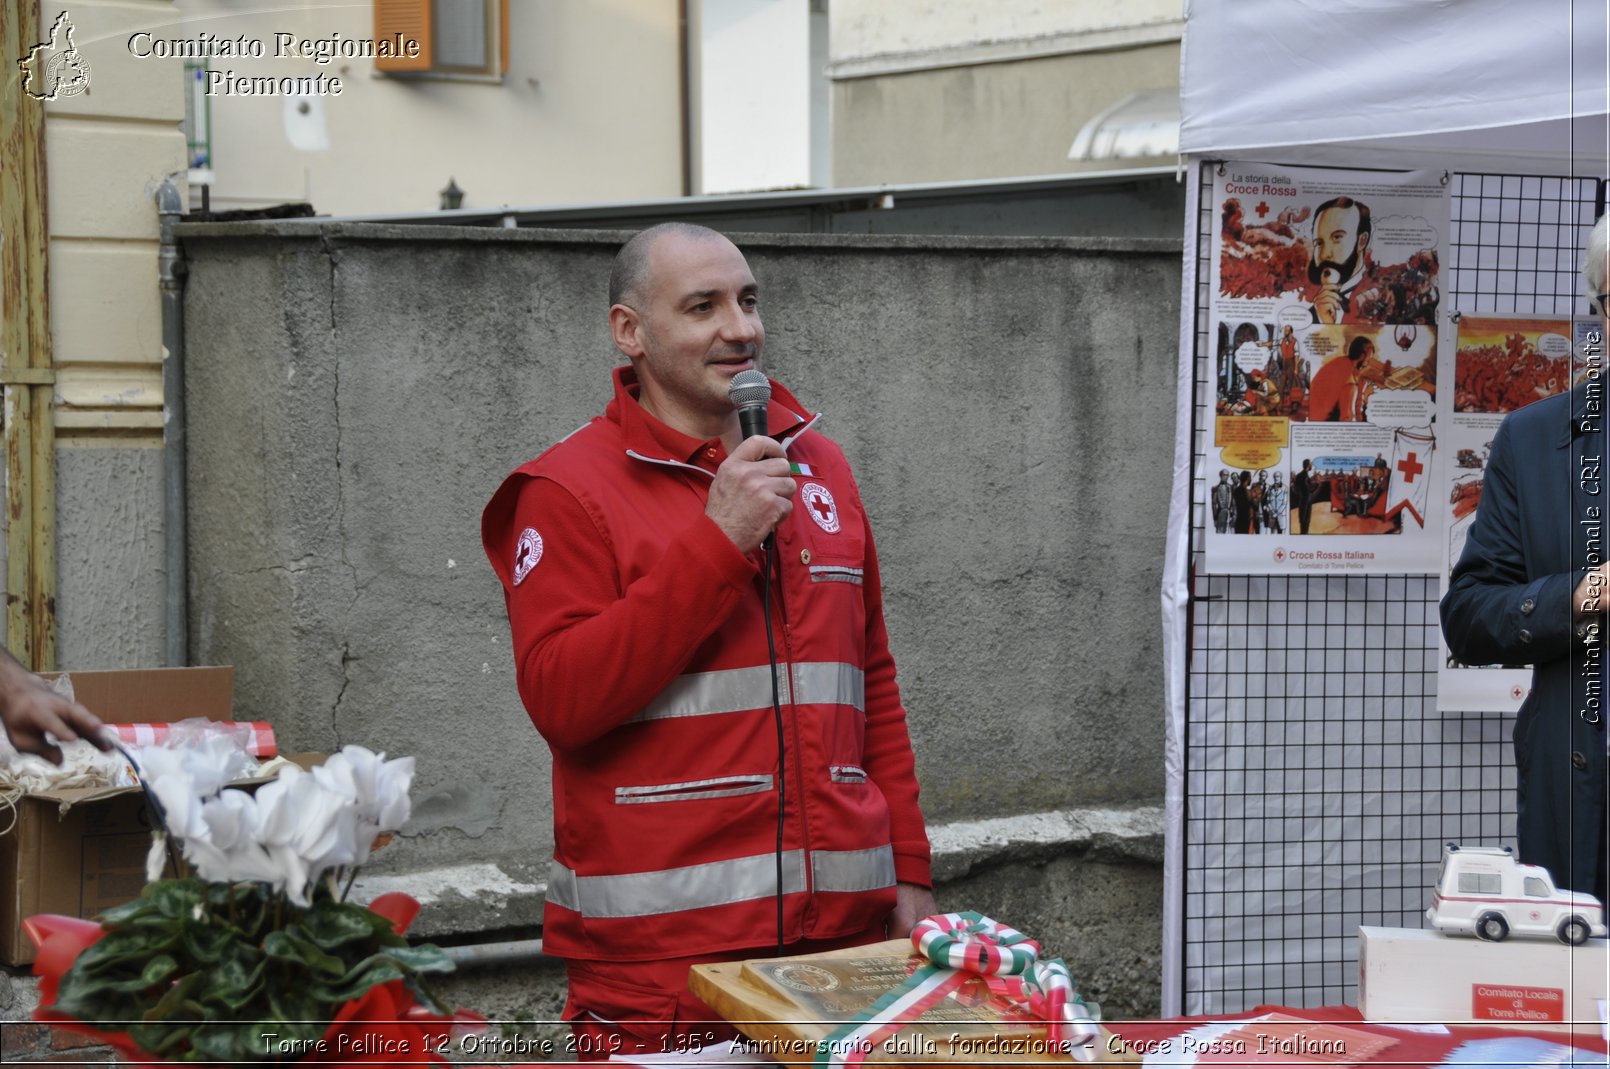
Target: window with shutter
456,37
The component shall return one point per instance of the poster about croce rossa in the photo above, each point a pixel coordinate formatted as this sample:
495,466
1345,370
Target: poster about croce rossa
1322,335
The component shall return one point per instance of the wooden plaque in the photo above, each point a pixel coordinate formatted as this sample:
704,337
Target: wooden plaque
790,1006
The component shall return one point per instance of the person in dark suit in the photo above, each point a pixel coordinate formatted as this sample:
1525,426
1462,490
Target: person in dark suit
1241,496
1302,495
1530,588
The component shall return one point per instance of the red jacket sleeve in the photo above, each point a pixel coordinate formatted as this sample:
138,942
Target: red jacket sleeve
588,654
890,762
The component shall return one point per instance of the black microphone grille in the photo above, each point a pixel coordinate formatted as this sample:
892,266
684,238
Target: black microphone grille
749,388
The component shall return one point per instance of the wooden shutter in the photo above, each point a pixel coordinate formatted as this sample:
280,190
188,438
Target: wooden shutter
412,19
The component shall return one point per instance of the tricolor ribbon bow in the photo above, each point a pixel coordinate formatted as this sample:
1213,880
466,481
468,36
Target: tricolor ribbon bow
1044,990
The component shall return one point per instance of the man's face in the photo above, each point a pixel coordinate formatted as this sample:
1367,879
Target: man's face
1336,243
699,325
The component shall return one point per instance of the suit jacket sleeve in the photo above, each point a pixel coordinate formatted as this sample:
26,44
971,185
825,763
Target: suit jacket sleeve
1496,611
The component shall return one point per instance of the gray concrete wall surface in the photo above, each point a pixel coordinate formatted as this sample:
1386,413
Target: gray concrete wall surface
110,604
357,391
110,610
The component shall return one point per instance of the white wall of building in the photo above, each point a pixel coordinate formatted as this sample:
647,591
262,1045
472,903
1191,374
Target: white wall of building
106,151
755,102
589,110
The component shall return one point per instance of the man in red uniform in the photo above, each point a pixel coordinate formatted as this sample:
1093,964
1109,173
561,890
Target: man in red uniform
706,807
1343,386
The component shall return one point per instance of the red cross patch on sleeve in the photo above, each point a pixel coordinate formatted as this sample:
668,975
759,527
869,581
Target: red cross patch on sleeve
527,552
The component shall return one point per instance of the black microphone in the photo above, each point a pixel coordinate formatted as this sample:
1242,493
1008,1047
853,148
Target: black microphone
750,392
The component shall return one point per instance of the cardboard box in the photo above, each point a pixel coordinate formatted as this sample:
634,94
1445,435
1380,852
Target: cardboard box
1416,975
79,852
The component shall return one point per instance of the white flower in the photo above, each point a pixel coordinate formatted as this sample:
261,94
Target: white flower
326,826
231,819
307,828
295,829
156,858
378,787
247,862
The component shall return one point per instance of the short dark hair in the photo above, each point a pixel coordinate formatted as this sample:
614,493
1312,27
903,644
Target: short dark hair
1346,202
631,263
1355,348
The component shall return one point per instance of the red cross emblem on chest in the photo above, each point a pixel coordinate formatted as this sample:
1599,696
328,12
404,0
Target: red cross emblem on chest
821,507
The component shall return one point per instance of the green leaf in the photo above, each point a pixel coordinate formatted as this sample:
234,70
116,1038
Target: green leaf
221,1042
293,945
369,973
163,1038
208,946
235,983
426,997
135,944
426,958
154,971
331,924
176,1001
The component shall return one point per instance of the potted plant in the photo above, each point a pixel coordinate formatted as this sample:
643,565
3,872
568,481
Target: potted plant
253,953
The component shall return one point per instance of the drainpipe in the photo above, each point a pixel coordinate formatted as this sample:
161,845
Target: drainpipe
519,951
172,269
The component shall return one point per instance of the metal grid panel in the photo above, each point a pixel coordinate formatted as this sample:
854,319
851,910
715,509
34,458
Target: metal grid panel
1321,781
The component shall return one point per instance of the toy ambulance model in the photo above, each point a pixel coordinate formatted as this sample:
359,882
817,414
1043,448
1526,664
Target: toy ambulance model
1485,890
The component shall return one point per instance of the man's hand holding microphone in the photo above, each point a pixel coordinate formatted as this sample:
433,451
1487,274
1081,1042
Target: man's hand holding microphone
753,490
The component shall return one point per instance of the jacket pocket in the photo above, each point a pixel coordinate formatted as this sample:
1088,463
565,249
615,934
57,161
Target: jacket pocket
846,774
690,790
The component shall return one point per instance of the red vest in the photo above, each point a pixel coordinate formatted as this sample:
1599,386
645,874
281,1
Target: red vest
641,652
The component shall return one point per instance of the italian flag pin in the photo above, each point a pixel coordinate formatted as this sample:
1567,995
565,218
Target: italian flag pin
800,469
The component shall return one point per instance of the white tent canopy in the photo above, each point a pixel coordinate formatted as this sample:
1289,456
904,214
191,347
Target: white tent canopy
1473,86
1465,84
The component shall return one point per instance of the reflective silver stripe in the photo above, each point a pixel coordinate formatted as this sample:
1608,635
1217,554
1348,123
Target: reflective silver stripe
720,787
853,870
846,774
644,894
710,693
735,690
832,573
829,683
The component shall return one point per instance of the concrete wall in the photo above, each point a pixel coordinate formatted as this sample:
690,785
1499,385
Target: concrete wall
357,392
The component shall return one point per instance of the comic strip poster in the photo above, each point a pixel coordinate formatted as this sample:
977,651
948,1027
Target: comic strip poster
1495,365
1323,348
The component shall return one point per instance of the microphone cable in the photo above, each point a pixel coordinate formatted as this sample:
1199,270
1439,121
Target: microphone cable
769,549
